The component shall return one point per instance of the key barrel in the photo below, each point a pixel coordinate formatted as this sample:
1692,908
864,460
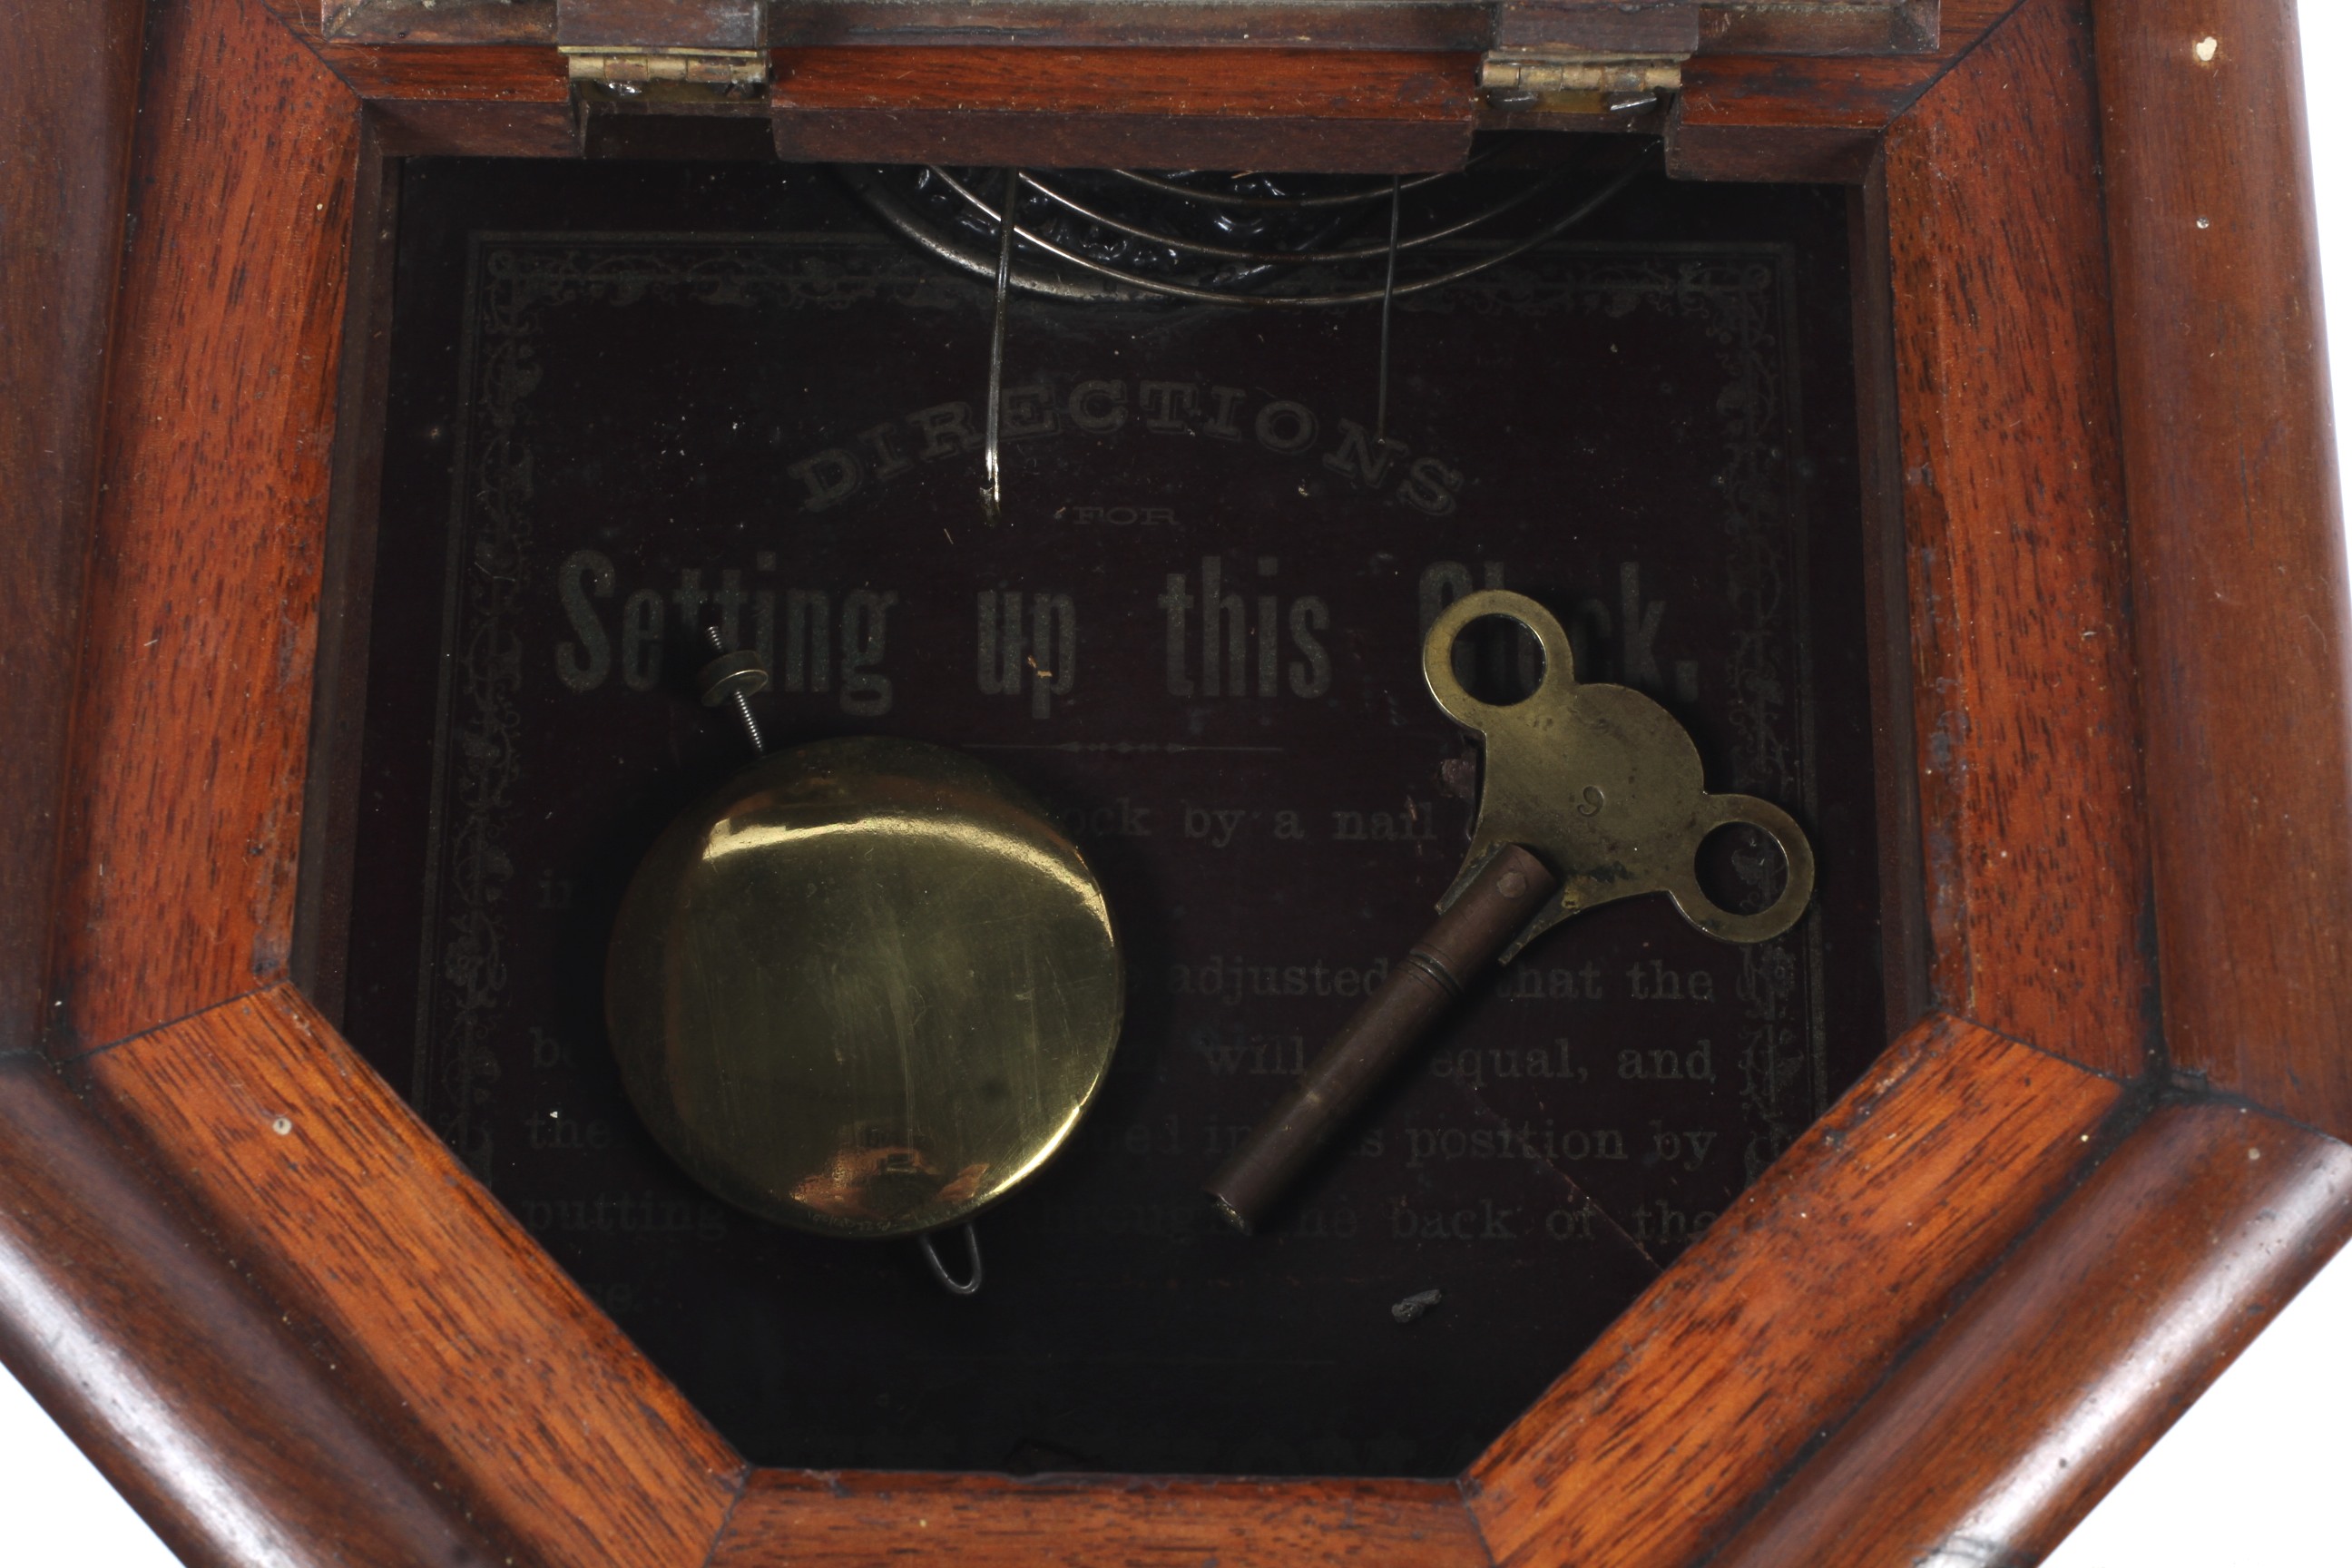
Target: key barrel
1499,902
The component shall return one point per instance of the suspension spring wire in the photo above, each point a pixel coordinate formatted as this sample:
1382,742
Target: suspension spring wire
992,493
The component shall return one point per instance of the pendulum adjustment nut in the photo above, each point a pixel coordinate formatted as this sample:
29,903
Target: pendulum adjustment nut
730,676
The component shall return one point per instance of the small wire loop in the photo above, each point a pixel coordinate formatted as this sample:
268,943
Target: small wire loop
949,1282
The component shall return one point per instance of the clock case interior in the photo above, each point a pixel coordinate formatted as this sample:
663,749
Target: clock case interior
624,398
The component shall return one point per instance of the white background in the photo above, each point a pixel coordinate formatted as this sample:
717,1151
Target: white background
2256,1473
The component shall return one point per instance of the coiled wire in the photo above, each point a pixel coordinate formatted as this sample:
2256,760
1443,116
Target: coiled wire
1079,240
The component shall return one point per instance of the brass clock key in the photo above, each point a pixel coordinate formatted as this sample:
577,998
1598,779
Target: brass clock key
1591,794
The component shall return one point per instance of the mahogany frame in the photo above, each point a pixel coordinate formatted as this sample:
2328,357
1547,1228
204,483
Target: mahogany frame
286,1323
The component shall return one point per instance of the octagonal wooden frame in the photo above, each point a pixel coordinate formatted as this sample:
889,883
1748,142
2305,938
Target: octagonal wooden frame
292,1328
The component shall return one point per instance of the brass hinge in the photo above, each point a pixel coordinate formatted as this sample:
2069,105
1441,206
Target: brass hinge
1562,80
723,69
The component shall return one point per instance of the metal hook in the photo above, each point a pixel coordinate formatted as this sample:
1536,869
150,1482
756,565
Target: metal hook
939,1270
992,493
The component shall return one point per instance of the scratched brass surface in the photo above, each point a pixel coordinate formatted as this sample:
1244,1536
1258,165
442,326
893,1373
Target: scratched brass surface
864,989
1603,784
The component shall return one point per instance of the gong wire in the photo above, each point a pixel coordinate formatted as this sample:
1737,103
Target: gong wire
992,495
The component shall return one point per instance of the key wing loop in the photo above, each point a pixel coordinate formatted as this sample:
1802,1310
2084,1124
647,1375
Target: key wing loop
1601,784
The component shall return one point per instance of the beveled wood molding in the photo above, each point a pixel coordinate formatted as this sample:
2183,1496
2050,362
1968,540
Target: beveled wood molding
231,1429
565,1436
1368,112
75,81
2230,467
2052,1379
1622,27
1666,1433
1745,113
293,1329
991,1521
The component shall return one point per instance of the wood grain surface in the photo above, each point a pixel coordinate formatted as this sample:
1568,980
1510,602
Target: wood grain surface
331,803
357,1217
1756,115
1659,1440
1808,27
177,888
461,100
461,73
1822,27
436,21
662,24
303,18
1904,938
438,91
1653,27
444,129
2083,1346
1411,24
1369,110
390,1371
197,1395
1803,94
2237,545
1045,140
1291,83
794,1520
2036,849
793,24
70,79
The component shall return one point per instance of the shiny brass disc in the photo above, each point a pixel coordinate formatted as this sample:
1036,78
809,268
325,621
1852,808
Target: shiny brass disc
864,989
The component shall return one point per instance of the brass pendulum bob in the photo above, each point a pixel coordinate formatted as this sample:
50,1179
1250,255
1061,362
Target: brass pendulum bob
865,988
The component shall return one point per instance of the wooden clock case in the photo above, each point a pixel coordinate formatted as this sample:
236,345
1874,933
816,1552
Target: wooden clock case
2105,1146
